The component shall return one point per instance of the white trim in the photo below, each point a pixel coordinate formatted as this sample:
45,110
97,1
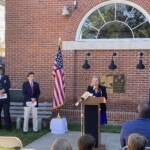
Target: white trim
102,16
106,3
107,45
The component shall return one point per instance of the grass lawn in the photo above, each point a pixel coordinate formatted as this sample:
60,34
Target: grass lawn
31,136
26,139
106,128
16,148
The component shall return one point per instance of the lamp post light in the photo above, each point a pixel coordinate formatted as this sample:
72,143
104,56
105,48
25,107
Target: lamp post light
112,65
86,64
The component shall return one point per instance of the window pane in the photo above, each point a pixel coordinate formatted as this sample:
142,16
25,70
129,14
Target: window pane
108,12
135,18
142,31
115,30
95,20
88,32
122,11
104,23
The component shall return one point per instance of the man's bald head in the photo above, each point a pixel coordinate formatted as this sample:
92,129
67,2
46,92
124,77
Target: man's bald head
143,110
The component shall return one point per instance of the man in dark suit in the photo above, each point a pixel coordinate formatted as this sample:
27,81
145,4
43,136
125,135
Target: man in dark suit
5,99
140,125
31,92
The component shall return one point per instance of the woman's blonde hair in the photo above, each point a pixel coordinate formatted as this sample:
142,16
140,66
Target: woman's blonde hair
61,144
95,77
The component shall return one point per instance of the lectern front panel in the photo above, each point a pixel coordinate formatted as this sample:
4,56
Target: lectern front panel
91,119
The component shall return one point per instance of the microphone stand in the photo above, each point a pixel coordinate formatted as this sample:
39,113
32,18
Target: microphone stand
82,116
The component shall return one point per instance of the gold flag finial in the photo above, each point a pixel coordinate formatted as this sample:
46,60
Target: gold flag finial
59,42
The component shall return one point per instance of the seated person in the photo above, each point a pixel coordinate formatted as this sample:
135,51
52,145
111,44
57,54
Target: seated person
140,125
136,142
61,144
86,142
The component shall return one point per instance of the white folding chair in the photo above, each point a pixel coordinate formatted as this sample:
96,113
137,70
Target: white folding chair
125,148
10,142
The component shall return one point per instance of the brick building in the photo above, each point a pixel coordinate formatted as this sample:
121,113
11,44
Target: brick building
33,28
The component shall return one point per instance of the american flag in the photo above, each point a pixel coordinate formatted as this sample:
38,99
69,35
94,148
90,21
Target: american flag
59,85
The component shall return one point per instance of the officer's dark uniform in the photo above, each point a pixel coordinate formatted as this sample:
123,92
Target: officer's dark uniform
5,103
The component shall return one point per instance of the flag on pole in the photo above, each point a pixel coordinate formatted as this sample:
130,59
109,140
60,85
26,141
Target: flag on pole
59,83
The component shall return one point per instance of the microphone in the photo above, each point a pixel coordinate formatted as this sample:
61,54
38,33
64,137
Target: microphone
94,87
77,103
84,96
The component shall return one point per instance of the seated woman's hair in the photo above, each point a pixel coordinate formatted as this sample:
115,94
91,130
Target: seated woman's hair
61,144
86,142
136,142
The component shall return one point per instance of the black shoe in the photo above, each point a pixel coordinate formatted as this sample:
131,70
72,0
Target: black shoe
9,129
25,133
36,131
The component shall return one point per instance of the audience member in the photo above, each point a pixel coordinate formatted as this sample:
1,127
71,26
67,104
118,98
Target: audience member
86,142
136,142
61,144
140,125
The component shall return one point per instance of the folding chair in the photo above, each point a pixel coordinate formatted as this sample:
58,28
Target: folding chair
10,142
126,147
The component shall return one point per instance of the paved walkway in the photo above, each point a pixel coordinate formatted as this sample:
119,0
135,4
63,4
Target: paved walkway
110,140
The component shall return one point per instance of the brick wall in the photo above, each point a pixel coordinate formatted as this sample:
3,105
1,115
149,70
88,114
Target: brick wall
32,32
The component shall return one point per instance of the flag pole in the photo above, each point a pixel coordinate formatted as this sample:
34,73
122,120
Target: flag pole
59,45
58,75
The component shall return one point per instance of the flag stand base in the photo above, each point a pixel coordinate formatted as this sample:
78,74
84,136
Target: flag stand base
58,115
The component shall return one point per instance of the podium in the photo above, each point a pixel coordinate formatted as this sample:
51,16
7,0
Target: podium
90,123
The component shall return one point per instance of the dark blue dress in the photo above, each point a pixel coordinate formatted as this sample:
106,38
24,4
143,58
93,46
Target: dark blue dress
103,117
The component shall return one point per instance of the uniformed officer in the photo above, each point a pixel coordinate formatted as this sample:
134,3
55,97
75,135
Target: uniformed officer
5,99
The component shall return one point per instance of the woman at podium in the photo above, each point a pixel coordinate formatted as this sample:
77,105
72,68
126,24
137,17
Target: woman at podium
99,91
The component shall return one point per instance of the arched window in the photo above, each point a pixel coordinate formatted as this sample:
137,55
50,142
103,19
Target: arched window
114,21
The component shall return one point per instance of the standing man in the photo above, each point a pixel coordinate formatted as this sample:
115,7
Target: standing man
5,99
31,93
